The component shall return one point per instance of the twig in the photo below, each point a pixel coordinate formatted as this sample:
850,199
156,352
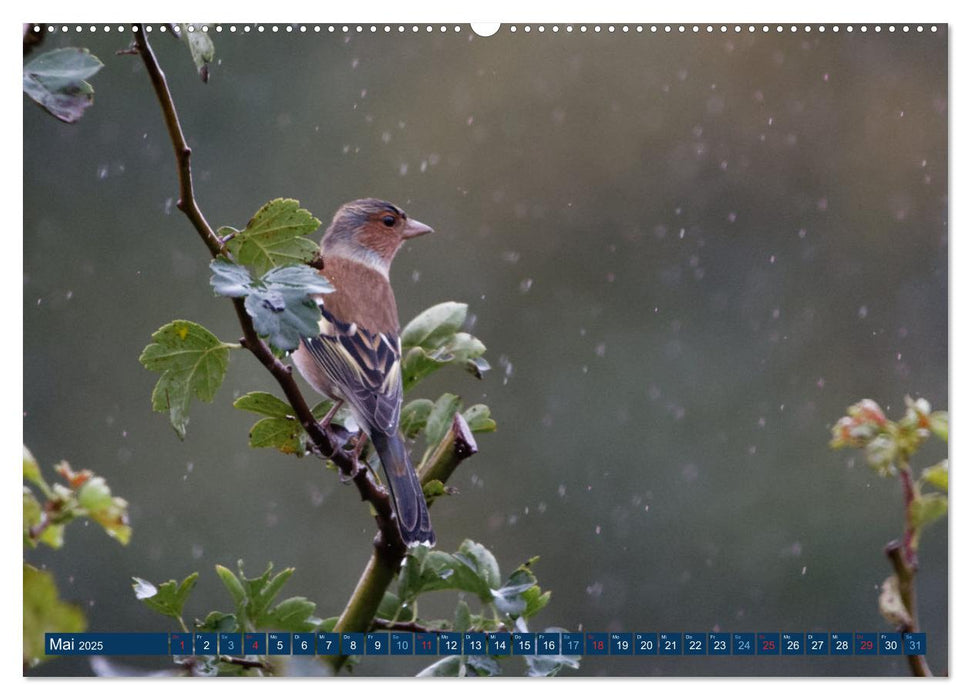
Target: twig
389,548
457,445
907,584
388,543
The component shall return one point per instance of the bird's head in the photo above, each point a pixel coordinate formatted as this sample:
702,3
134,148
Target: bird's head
371,231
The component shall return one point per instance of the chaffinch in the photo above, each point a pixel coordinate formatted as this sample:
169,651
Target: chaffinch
356,359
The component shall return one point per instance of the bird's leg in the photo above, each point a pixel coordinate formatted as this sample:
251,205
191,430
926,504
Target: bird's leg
325,421
356,454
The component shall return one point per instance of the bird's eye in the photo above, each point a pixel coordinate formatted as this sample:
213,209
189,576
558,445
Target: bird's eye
388,221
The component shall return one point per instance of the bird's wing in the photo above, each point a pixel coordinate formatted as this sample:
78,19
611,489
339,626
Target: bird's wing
364,366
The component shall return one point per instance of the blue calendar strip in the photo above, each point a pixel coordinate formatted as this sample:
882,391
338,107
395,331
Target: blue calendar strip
630,644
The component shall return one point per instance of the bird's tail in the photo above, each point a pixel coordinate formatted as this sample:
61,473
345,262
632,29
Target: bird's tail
409,501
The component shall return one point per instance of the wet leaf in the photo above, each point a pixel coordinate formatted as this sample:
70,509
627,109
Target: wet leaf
264,403
279,302
56,80
192,362
434,325
479,419
440,418
168,598
276,236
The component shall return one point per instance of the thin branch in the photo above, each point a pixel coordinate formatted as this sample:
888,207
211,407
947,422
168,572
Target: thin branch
362,607
907,584
388,543
389,548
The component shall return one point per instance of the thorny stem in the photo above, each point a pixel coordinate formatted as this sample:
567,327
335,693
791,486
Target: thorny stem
389,548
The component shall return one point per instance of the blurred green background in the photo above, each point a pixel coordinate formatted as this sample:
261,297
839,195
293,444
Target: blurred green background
687,254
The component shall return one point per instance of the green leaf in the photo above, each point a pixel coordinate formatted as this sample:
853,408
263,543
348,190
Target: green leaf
434,325
44,611
440,418
218,622
460,349
232,585
485,561
108,511
414,416
510,599
463,616
547,666
192,362
435,571
391,608
924,510
201,48
56,80
291,615
167,598
479,419
279,303
32,472
276,236
937,475
284,434
265,404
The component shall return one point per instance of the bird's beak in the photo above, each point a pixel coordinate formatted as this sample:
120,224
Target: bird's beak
415,228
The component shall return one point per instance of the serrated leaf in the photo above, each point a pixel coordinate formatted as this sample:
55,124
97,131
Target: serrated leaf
279,302
218,622
192,362
276,236
284,434
440,418
265,404
44,611
168,598
479,419
436,571
434,325
292,615
56,80
536,599
201,48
